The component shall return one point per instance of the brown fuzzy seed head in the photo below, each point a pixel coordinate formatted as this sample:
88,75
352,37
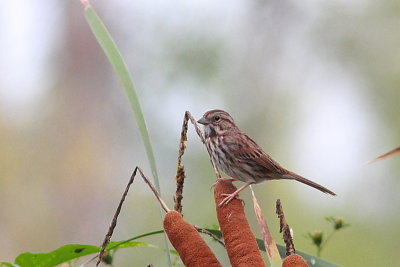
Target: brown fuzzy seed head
240,242
294,260
192,249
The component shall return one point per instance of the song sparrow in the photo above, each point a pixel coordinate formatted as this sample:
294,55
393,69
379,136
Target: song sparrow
236,154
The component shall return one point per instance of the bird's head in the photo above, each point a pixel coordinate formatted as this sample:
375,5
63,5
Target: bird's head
216,122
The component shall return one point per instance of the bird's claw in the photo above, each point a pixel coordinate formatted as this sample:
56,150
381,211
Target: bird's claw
228,198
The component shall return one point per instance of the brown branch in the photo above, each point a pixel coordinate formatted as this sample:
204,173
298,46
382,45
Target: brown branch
284,227
160,200
115,218
196,126
204,231
200,134
180,171
117,212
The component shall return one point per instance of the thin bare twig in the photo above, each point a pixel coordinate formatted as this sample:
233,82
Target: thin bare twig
270,245
284,227
117,212
115,218
204,231
160,200
196,126
200,134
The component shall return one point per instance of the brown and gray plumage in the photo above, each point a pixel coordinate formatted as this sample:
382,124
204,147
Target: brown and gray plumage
240,157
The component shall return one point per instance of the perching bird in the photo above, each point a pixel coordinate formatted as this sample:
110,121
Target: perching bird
236,154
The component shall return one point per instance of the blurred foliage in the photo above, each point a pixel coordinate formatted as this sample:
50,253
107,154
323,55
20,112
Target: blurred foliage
317,237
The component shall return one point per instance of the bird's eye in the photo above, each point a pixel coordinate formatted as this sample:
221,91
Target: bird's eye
217,118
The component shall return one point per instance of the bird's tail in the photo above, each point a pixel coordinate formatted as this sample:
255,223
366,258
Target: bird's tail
293,176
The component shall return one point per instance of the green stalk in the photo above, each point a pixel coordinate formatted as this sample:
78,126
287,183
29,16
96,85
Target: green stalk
114,56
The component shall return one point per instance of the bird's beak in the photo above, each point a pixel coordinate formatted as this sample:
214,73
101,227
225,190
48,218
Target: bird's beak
203,121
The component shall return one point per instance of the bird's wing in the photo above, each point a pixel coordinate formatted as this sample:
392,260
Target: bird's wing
247,151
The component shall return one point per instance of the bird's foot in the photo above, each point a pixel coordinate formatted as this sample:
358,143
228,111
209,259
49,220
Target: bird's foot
233,195
229,197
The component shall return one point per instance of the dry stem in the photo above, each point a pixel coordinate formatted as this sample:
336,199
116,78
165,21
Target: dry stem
160,200
284,227
115,218
204,231
270,245
180,172
200,134
117,212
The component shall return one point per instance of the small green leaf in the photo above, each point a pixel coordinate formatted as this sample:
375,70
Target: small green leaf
67,253
7,264
121,243
174,252
58,256
216,232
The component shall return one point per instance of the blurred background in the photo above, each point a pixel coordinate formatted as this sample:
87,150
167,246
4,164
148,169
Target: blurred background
315,83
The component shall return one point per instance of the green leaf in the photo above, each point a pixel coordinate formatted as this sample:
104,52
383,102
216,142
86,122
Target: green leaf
114,56
118,244
58,256
67,253
121,243
7,264
215,232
